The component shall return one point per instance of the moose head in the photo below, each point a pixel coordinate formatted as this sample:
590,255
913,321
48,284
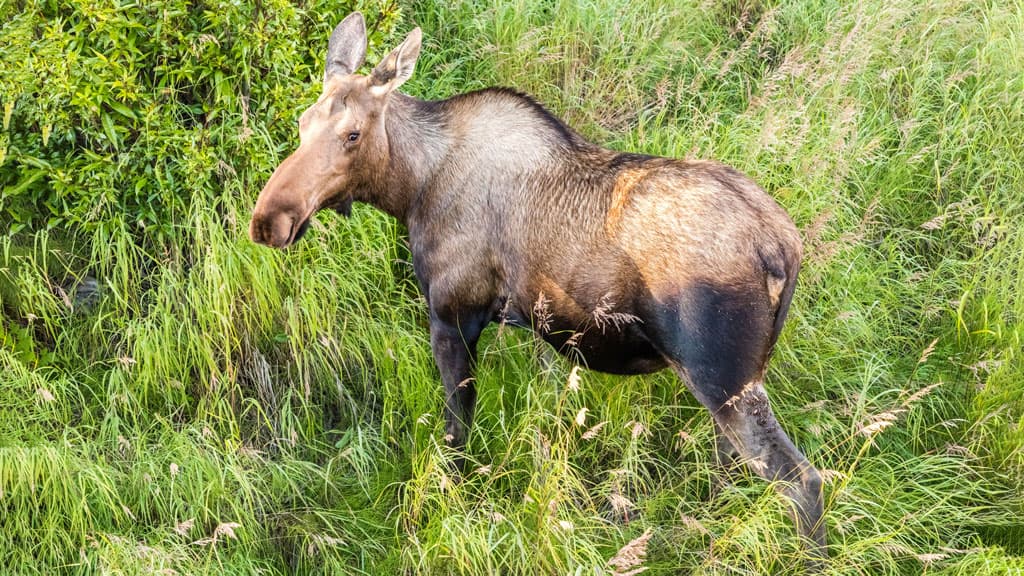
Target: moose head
343,146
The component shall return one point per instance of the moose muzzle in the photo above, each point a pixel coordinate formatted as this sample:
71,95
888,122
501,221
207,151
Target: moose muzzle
283,209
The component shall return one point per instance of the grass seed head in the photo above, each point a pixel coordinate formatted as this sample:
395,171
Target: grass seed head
581,417
629,559
593,431
573,384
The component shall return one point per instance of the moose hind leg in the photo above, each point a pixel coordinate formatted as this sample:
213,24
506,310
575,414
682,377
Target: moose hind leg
725,453
719,340
748,422
727,460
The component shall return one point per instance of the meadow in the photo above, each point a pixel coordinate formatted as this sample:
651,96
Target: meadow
175,399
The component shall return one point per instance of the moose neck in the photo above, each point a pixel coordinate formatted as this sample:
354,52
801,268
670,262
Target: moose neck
417,143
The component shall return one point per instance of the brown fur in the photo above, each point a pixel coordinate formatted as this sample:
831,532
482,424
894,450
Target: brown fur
626,263
625,181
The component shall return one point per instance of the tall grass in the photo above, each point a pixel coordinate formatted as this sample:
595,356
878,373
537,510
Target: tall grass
218,407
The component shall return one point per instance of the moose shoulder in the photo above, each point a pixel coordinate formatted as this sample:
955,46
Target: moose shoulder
626,263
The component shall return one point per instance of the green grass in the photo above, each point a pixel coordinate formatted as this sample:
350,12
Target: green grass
224,408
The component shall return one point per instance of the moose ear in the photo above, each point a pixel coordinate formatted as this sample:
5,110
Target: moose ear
346,49
398,66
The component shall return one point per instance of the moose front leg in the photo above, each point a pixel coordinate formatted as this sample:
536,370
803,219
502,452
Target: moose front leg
454,347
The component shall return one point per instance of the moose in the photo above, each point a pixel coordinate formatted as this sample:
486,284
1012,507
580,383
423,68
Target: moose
626,263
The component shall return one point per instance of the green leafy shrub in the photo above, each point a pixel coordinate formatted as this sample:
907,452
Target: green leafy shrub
118,114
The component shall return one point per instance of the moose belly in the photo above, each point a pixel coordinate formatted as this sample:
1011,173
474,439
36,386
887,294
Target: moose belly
592,332
615,350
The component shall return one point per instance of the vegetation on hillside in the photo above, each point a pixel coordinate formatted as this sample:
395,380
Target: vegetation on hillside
177,400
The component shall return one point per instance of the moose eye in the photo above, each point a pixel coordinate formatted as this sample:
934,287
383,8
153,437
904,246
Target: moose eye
353,136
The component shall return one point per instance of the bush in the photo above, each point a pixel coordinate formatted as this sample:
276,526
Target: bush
117,115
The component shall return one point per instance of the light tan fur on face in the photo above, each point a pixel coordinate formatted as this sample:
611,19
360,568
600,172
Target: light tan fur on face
318,117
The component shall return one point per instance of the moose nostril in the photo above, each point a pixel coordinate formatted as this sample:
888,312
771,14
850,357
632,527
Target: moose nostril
277,229
259,231
254,229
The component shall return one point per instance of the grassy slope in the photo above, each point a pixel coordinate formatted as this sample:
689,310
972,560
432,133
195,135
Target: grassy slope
237,410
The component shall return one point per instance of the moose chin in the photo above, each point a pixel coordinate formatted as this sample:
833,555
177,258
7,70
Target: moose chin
626,263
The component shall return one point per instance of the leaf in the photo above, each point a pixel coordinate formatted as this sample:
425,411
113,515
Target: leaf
108,129
344,441
122,110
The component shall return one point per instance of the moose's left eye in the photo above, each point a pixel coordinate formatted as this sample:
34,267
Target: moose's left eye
353,136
